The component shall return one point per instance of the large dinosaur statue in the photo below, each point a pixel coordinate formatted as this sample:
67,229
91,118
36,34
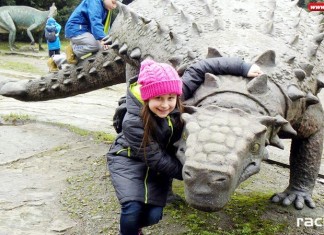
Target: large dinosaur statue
234,119
14,18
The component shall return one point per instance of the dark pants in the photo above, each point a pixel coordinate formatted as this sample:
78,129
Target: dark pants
136,215
53,52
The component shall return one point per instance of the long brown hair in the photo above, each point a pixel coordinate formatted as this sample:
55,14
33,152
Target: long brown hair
150,124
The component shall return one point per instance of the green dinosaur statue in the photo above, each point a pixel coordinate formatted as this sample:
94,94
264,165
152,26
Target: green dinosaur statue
13,18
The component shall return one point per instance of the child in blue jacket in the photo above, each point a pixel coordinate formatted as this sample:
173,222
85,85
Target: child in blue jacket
85,27
54,47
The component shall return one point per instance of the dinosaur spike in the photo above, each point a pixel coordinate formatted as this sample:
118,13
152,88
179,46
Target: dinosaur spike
297,15
209,9
197,28
174,37
176,60
275,141
213,52
218,24
93,70
211,80
125,10
107,64
291,59
145,20
294,93
311,99
294,3
181,69
288,129
67,73
123,49
267,120
78,69
173,7
280,120
81,76
105,52
258,85
320,81
162,29
55,86
300,74
312,50
67,82
185,17
43,89
118,59
108,41
135,17
115,44
319,38
270,14
268,27
294,40
267,58
296,23
136,54
308,68
92,59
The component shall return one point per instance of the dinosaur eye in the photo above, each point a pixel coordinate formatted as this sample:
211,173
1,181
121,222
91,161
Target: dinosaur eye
255,147
184,135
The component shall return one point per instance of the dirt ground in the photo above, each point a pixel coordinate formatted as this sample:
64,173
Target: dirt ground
54,181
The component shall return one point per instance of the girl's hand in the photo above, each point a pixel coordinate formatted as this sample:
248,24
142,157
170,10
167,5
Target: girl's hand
254,71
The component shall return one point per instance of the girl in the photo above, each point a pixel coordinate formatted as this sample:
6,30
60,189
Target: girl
142,159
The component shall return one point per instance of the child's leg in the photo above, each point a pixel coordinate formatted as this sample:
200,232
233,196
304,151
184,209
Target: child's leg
131,213
84,44
152,215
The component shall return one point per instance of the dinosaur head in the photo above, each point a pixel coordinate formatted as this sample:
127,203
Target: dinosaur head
220,148
52,11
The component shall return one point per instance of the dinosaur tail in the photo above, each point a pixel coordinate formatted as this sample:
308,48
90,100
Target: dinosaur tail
103,69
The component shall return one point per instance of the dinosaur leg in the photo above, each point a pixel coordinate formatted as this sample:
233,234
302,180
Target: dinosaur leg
8,24
40,40
305,159
30,35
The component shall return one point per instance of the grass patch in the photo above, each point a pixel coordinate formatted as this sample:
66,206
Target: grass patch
20,67
98,136
244,216
15,118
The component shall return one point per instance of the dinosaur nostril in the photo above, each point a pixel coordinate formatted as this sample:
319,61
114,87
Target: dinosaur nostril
187,174
220,180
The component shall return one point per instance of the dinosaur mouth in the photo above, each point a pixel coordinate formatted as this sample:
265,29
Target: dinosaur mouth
249,170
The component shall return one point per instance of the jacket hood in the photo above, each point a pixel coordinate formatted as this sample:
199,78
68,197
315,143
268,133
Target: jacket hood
51,21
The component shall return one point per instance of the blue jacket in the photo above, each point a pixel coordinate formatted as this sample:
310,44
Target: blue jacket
146,179
89,16
57,43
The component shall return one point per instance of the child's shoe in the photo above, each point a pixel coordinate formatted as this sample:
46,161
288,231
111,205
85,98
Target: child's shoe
52,67
70,56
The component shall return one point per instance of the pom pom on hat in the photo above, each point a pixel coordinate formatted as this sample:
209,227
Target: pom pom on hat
158,79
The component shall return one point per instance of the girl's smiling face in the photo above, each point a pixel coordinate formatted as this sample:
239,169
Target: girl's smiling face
163,105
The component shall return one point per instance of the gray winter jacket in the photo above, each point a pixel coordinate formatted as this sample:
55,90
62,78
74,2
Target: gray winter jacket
147,180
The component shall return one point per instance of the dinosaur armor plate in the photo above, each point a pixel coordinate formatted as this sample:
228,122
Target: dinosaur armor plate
233,119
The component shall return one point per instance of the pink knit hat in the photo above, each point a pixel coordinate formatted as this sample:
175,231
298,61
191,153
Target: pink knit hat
158,79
